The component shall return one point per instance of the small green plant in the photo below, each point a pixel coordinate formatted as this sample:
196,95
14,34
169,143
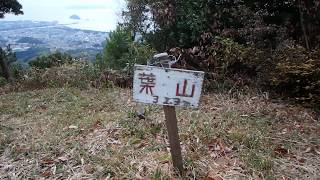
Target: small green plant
258,162
5,135
252,141
132,114
270,178
133,129
237,137
3,81
158,175
155,129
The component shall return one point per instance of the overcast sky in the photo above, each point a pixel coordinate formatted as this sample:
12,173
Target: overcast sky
101,15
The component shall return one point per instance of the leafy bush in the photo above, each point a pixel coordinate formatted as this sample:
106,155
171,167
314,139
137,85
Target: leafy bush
3,81
214,54
137,54
90,71
52,60
297,72
228,64
78,74
291,70
122,52
17,71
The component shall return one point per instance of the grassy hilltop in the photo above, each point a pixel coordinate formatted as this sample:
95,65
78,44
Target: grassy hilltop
62,117
72,133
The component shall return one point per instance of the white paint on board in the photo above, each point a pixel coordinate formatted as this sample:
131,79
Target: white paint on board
166,86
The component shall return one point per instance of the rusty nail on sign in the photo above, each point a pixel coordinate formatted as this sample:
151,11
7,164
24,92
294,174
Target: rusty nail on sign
170,88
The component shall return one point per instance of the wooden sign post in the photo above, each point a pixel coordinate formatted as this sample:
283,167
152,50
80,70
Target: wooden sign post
173,134
170,88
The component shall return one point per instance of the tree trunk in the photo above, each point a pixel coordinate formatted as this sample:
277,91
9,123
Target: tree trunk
5,69
306,39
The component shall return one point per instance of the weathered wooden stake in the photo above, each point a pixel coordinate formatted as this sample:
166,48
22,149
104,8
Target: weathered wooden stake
172,126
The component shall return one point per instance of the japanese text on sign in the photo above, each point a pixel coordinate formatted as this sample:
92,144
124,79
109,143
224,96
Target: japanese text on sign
164,86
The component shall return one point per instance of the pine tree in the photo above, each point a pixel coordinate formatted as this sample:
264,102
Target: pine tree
7,7
10,7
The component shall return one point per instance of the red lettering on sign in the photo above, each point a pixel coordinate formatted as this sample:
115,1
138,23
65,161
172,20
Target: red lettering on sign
184,90
147,83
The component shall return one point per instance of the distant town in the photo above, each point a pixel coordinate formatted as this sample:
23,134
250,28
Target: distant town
29,39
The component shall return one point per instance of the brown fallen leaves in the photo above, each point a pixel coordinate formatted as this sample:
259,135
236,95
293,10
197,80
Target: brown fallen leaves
281,151
48,163
218,148
212,176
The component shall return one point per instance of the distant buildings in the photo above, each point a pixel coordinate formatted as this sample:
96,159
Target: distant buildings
30,39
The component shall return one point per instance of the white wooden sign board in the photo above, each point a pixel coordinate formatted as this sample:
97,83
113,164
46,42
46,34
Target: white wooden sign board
167,86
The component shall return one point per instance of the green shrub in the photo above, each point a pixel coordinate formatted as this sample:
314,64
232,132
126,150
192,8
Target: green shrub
228,64
137,54
117,45
297,73
17,71
52,60
122,52
230,57
90,71
223,56
77,74
3,81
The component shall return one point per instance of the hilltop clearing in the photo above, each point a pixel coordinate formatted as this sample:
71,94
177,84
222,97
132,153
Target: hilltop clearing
71,133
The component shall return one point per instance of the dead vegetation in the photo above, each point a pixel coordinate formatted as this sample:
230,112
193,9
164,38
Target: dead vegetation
67,133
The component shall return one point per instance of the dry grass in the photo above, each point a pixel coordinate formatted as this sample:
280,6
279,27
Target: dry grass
68,133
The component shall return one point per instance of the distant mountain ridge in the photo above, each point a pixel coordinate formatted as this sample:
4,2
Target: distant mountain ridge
32,38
